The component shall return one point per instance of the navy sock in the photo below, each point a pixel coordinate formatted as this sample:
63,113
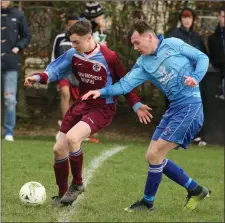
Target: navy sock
175,173
152,183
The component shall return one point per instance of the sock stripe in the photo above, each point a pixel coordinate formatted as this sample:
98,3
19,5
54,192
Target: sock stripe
155,171
77,153
164,162
155,168
61,160
188,183
149,198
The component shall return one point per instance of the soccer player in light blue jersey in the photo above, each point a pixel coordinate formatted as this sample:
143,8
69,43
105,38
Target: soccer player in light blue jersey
176,68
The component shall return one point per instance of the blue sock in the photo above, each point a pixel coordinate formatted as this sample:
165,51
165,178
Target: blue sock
152,183
175,173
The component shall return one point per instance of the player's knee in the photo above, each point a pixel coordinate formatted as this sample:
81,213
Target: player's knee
72,140
65,95
10,100
59,149
153,156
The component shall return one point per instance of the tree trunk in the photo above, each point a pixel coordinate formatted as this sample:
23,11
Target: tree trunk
22,108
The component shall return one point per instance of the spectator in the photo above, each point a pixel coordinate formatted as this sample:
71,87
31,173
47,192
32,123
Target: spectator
15,37
216,45
94,12
186,33
186,30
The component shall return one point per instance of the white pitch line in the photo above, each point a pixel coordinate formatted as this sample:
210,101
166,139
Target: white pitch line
88,173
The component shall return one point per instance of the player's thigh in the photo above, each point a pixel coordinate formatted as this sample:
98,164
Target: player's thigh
71,118
78,132
99,118
161,127
184,125
65,93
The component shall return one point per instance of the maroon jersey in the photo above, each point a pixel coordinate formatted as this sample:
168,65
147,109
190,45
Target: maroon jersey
95,70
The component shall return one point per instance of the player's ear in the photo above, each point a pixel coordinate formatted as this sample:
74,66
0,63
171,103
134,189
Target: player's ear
89,37
150,37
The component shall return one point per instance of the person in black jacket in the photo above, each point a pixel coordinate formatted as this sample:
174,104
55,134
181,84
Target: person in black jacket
187,34
216,45
15,36
185,31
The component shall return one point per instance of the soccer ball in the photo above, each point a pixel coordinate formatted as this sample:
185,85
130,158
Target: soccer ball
32,193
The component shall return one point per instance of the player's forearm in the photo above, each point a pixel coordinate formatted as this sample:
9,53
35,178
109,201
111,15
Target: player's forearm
112,90
41,78
201,67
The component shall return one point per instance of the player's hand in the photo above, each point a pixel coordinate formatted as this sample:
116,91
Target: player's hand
190,81
144,115
29,81
95,94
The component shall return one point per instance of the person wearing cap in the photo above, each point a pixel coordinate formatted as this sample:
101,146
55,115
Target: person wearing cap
94,12
186,33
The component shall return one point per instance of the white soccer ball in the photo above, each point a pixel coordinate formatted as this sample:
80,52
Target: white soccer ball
32,193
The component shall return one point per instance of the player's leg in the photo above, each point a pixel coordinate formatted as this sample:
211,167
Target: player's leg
61,149
91,122
65,98
155,155
61,166
74,138
183,127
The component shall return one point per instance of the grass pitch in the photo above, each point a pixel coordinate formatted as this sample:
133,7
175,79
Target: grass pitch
114,185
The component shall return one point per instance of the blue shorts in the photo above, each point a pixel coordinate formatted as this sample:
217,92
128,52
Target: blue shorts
180,124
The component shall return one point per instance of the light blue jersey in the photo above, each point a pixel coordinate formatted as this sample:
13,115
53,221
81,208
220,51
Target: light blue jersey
166,69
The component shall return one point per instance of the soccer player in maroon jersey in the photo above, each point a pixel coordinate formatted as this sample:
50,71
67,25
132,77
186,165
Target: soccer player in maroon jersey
95,66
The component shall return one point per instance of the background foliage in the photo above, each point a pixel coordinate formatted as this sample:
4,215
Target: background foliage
46,21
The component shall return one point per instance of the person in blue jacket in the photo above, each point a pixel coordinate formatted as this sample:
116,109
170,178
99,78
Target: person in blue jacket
176,68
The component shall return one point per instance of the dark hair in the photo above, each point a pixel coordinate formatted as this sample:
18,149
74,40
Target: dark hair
187,11
141,26
72,17
222,9
81,28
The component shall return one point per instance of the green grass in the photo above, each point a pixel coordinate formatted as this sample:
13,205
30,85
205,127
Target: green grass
116,184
